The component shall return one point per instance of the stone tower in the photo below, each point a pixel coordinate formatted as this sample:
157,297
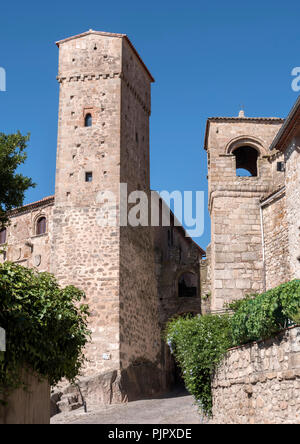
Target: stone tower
234,146
103,140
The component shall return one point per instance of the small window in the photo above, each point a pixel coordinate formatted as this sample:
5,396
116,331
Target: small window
88,121
41,226
187,285
88,177
280,166
3,236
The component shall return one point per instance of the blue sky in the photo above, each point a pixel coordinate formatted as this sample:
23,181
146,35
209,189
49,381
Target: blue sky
208,58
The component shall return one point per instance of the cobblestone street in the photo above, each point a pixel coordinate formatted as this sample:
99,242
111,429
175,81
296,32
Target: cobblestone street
176,407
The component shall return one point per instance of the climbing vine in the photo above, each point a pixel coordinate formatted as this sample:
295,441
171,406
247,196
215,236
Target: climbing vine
46,327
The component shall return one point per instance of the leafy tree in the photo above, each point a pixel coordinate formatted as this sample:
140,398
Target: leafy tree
46,327
12,185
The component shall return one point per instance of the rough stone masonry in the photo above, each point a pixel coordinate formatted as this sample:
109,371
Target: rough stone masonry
259,383
254,216
130,275
136,278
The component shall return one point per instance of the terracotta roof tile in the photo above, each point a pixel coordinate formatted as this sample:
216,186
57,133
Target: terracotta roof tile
27,207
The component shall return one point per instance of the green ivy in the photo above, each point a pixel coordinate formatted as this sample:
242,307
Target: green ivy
262,316
199,344
46,327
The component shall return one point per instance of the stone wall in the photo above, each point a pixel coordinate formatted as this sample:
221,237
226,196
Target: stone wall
234,204
24,245
205,282
101,74
260,382
83,253
139,321
237,267
173,260
277,269
292,180
30,406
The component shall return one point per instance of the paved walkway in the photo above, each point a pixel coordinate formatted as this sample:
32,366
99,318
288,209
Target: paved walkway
176,407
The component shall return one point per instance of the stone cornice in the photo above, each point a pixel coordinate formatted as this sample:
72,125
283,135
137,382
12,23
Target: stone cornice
277,194
103,76
264,120
236,191
73,77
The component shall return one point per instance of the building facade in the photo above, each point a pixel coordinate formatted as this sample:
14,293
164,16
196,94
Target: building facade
254,187
135,277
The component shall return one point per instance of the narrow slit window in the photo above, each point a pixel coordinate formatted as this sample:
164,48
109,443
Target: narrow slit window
88,121
170,237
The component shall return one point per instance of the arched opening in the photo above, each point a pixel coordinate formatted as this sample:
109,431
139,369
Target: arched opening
187,285
3,236
246,161
41,226
88,121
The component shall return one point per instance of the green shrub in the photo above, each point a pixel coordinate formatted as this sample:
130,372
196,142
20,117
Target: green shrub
296,317
199,344
264,315
46,327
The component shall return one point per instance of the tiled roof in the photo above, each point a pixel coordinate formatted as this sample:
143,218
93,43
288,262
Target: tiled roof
238,119
27,207
292,121
243,119
178,226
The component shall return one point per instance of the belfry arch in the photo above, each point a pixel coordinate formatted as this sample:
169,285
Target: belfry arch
247,151
246,160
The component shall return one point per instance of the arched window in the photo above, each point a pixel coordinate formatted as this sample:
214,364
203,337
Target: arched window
88,121
41,226
3,236
187,285
246,161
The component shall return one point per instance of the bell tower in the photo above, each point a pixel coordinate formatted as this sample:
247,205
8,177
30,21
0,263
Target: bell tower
239,175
